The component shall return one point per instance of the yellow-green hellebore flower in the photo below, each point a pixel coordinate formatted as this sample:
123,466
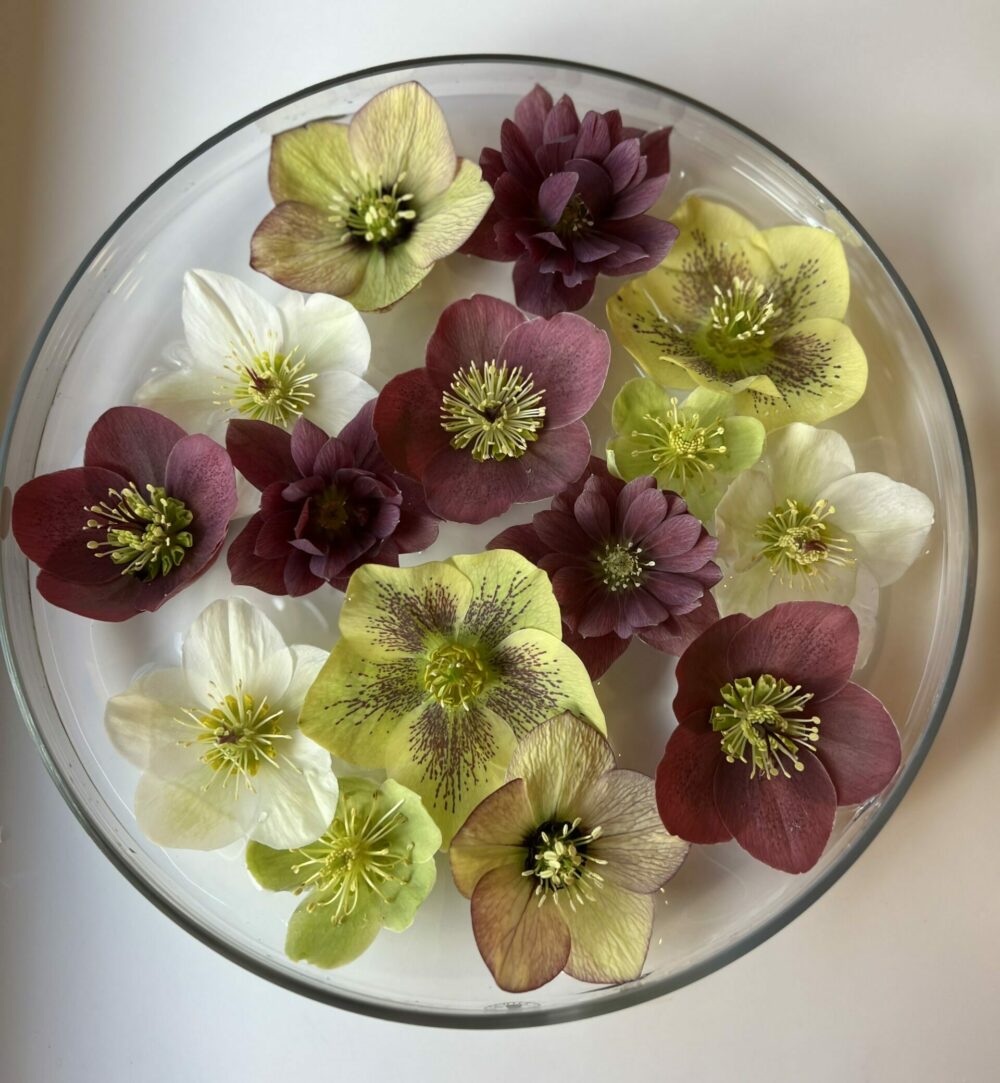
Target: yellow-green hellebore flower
693,448
371,868
440,669
753,313
364,209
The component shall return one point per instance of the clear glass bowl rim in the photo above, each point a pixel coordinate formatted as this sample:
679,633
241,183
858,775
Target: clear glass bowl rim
585,1007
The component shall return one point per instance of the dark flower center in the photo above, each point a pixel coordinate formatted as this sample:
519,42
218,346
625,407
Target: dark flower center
575,218
455,675
493,410
559,861
376,214
799,541
762,719
147,535
620,566
329,511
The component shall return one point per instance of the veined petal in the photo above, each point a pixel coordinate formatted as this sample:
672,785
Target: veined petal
327,333
609,935
493,836
445,222
390,274
226,323
310,164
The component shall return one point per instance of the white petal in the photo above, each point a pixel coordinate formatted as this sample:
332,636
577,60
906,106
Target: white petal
865,607
803,461
887,521
193,812
144,719
297,796
741,512
226,322
754,590
187,396
326,332
338,397
306,663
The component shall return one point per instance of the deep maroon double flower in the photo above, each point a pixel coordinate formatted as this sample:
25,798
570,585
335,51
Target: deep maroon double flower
772,736
143,517
328,505
569,201
625,560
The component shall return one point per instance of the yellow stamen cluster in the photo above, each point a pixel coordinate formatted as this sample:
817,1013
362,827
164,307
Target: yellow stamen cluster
742,311
373,211
148,535
799,540
678,445
272,387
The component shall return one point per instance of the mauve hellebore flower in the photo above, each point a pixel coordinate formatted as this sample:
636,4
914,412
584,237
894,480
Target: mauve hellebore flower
328,505
148,496
625,560
772,736
494,417
569,201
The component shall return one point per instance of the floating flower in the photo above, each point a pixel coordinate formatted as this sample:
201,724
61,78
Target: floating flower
802,525
772,735
437,672
625,560
569,201
217,739
328,505
753,313
371,868
694,448
244,357
143,517
563,862
494,418
364,210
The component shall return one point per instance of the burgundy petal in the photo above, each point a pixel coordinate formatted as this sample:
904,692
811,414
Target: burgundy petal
858,744
679,593
562,120
358,435
514,200
589,247
784,822
522,539
408,422
675,635
262,453
517,154
606,612
248,569
133,442
592,513
598,653
484,243
530,113
621,164
306,443
684,787
334,455
276,534
556,458
703,669
593,186
593,139
652,235
639,198
553,195
112,601
655,146
559,532
200,473
465,491
641,506
469,330
813,644
299,579
545,295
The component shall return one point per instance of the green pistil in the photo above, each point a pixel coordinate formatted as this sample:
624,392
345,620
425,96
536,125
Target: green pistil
493,409
351,854
236,736
374,212
272,388
620,566
147,535
678,445
559,862
455,675
742,311
798,540
755,720
575,218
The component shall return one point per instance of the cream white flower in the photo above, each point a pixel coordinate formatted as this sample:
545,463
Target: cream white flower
802,525
218,738
245,357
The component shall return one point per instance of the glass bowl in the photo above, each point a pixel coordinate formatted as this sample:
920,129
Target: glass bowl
109,328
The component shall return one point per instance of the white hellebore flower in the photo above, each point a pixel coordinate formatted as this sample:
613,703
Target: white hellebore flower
801,525
218,738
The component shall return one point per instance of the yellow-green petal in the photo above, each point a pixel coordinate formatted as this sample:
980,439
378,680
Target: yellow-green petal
310,164
276,870
314,936
811,265
609,936
390,274
446,222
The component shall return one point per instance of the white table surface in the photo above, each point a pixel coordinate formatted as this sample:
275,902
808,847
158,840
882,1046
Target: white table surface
895,973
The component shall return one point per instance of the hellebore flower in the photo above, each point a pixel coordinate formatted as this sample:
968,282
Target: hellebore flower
364,210
371,868
243,356
494,418
328,505
772,736
439,669
150,499
802,525
753,313
217,738
571,829
624,560
569,201
694,448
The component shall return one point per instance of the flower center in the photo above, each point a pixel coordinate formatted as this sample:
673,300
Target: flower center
354,852
329,511
493,409
559,862
678,444
755,719
620,566
455,675
799,540
147,535
575,218
272,388
375,213
237,736
742,311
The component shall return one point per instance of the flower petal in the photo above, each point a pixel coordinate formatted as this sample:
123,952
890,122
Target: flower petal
684,786
310,163
469,330
144,718
133,443
116,600
193,811
261,452
390,274
703,670
598,653
327,333
522,539
296,796
677,633
547,294
226,322
407,420
803,462
509,593
556,459
485,489
609,935
200,473
314,937
446,222
337,398
812,269
492,837
858,744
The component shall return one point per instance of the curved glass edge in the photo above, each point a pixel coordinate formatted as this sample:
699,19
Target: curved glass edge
626,996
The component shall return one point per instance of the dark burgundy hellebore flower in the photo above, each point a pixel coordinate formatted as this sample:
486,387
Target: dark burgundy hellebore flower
569,198
772,736
624,560
494,417
328,505
143,517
